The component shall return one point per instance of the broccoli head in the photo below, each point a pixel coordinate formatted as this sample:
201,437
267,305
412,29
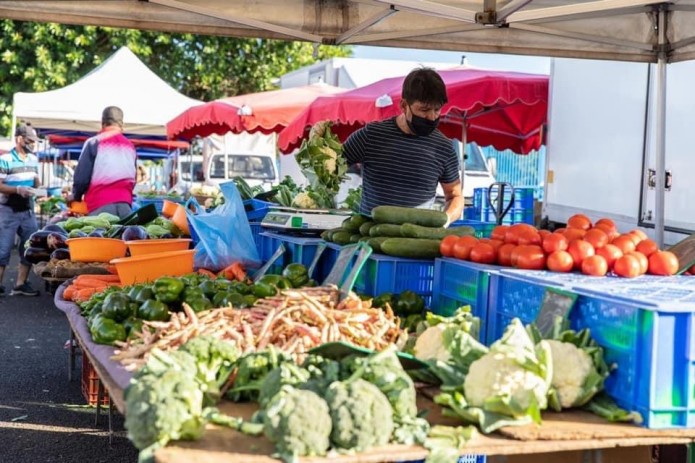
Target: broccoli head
215,360
361,414
162,408
287,374
322,371
160,362
252,369
298,423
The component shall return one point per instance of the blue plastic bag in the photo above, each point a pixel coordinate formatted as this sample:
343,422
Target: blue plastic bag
223,235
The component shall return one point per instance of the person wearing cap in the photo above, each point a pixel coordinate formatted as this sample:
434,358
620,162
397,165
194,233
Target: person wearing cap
19,173
106,171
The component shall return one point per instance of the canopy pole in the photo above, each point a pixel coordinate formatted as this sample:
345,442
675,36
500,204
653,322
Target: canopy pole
464,142
659,206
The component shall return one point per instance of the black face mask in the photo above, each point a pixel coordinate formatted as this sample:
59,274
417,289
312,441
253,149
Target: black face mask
27,148
421,126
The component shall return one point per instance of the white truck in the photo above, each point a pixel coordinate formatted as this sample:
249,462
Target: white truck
601,144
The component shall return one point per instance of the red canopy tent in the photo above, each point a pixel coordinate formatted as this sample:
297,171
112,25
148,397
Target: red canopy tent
504,109
265,112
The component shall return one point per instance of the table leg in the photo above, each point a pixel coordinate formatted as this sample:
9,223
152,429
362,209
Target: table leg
110,426
71,356
100,397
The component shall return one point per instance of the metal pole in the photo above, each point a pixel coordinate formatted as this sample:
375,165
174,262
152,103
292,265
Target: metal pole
660,202
464,142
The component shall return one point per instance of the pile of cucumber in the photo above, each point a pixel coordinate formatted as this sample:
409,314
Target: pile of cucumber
397,231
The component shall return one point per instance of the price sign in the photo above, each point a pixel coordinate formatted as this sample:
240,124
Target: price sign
556,303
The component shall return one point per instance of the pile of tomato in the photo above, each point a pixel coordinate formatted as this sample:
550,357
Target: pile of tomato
592,248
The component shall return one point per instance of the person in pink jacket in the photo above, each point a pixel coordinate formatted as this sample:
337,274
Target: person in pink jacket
106,171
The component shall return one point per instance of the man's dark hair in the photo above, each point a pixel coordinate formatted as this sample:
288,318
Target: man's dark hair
424,85
112,115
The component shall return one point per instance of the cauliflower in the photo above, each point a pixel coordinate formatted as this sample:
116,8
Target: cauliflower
437,342
361,414
571,368
319,129
304,201
330,165
429,345
499,375
298,422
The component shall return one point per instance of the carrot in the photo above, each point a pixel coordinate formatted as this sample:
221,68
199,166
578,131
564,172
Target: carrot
89,282
235,271
69,292
207,273
111,269
107,278
84,294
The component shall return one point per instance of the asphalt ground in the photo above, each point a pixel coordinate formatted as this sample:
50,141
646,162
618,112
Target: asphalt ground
43,416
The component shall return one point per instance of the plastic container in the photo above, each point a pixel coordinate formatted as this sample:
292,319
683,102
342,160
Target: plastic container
297,249
141,269
180,219
95,249
520,212
458,283
385,274
652,342
78,207
90,384
168,208
256,231
256,209
143,247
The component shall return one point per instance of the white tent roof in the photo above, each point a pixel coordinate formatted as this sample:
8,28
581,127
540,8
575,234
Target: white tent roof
148,102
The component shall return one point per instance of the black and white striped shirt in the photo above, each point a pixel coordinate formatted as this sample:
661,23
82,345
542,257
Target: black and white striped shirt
399,169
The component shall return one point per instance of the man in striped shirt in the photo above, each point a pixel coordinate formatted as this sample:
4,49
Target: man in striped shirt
404,158
19,172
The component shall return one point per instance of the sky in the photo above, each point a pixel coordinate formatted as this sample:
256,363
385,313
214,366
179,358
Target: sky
531,64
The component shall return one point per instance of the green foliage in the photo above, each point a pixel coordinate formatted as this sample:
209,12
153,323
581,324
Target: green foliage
215,360
44,56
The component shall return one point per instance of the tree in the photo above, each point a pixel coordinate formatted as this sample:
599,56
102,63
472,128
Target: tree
45,56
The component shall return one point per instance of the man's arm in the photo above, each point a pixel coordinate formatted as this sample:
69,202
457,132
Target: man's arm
5,189
454,200
83,171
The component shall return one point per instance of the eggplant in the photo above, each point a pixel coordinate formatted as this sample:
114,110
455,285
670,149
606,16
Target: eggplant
98,233
39,239
56,241
134,232
36,255
60,254
77,234
55,229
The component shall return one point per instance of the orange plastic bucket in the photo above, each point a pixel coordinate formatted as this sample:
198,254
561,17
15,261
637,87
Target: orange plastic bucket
142,247
168,208
95,249
181,220
78,207
149,267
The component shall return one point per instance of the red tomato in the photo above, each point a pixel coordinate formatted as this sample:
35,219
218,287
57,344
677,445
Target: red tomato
555,242
627,266
531,258
580,250
625,243
639,233
647,247
516,252
544,233
606,222
529,237
663,263
462,249
447,245
560,230
610,232
597,237
496,244
560,261
499,232
574,234
579,221
642,259
483,253
611,253
504,254
595,266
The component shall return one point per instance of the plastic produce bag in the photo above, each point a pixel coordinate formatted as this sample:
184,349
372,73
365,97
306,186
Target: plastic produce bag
223,235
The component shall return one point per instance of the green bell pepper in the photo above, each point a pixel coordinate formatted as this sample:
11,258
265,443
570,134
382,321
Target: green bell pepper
297,274
279,281
409,303
107,331
132,325
382,299
249,300
117,307
241,288
145,294
191,292
235,300
198,304
133,292
261,290
218,300
208,287
168,289
154,310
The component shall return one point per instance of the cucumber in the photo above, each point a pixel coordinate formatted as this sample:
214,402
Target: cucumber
385,229
341,237
355,238
410,230
354,223
401,215
365,227
328,234
375,243
411,248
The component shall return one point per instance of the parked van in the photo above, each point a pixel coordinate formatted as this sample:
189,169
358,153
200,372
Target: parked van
256,169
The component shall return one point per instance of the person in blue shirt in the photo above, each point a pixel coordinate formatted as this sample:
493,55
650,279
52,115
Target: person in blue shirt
19,174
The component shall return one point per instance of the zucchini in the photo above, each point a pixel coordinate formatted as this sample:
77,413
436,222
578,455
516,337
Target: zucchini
375,243
341,237
355,238
385,229
411,248
364,228
410,230
401,215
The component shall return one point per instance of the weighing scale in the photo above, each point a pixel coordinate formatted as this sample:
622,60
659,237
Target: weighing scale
305,221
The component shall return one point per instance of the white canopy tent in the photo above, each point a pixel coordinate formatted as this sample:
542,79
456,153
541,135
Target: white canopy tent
147,101
625,30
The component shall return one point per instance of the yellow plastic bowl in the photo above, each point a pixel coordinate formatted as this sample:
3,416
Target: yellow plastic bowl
95,249
149,267
142,247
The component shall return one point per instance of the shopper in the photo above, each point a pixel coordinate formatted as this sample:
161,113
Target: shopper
404,158
106,171
19,172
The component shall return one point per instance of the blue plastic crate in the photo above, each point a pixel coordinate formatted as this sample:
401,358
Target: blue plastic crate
256,210
297,249
256,231
482,229
462,459
385,274
523,198
458,283
328,260
650,341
